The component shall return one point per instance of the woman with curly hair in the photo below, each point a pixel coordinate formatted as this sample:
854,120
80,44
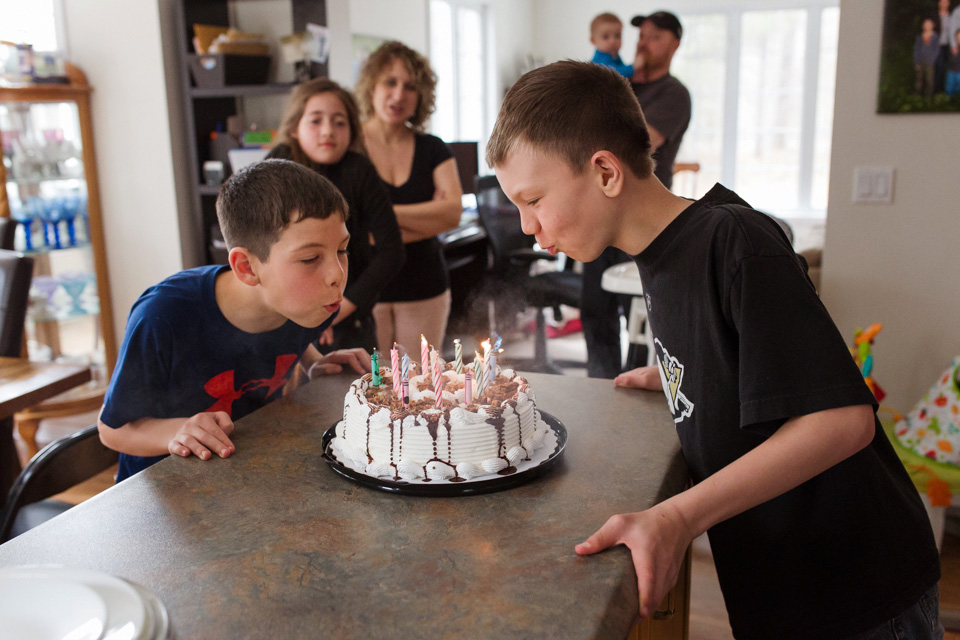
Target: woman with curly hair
396,93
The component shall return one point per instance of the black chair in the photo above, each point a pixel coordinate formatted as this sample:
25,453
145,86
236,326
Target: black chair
16,271
466,155
510,284
60,465
8,233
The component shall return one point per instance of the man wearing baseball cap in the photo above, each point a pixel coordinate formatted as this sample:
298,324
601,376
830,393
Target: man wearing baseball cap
666,108
663,98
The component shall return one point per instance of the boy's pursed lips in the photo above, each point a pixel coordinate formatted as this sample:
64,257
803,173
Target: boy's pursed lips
332,307
551,249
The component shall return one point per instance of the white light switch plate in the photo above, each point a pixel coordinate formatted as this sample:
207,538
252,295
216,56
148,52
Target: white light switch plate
873,184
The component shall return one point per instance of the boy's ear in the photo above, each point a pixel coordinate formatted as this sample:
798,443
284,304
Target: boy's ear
244,266
609,172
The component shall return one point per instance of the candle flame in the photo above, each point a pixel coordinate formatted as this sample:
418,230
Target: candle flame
486,345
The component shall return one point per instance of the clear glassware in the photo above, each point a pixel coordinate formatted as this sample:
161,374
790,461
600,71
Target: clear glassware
74,284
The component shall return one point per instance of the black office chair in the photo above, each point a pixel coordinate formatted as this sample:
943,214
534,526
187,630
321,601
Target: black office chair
16,271
60,465
510,283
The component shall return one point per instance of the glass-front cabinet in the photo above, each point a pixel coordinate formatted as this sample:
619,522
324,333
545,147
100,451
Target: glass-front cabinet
50,179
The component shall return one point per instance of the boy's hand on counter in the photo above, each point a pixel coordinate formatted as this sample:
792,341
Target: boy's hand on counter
203,435
657,538
334,362
641,378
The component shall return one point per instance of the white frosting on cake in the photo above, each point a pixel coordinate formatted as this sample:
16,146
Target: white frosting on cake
455,442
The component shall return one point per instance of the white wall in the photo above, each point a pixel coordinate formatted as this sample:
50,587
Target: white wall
117,44
406,21
897,263
341,60
513,23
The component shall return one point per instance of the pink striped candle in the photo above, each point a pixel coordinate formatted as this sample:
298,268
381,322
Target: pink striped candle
467,387
437,378
395,368
424,356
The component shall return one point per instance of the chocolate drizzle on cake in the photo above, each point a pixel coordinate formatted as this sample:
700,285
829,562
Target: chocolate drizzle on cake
487,409
369,457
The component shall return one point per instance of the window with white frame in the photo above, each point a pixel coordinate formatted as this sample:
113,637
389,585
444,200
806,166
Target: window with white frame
458,55
762,83
36,23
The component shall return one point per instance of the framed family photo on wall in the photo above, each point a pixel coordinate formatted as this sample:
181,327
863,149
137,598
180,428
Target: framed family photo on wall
920,58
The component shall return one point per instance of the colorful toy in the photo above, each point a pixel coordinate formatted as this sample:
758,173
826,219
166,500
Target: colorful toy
927,440
861,352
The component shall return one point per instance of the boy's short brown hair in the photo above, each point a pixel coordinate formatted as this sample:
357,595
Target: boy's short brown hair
603,18
258,202
573,109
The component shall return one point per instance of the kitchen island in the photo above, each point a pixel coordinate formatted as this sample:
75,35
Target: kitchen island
272,543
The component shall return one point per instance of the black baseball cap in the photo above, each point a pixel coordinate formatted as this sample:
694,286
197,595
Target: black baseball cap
662,19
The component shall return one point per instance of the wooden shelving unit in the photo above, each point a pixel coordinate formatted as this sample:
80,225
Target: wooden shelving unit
205,108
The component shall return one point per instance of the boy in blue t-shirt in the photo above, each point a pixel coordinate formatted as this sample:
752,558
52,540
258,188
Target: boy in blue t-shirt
815,527
209,345
605,34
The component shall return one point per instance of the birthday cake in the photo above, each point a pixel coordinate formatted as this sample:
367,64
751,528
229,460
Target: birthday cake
450,439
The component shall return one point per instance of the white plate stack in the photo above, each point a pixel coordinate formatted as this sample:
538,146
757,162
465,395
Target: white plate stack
40,602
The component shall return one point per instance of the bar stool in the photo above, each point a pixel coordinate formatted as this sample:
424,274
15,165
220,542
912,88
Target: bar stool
625,278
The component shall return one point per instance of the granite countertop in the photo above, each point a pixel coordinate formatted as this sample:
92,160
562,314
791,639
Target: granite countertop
273,543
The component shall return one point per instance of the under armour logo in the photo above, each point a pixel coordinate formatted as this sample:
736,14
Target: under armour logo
222,386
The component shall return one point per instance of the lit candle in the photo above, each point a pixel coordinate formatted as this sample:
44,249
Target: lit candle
492,371
424,356
375,367
395,368
458,356
437,378
467,387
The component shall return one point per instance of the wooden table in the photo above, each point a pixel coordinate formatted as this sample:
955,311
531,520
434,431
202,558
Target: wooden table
24,383
273,543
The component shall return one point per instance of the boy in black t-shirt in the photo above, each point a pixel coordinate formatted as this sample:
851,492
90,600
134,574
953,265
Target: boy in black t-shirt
815,527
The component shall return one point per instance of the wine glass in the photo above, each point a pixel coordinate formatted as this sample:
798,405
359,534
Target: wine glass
74,284
46,286
24,217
